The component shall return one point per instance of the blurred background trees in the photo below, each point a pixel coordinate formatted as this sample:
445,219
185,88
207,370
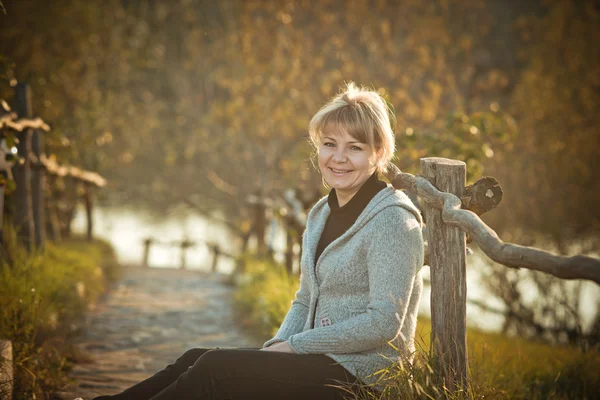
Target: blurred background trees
206,103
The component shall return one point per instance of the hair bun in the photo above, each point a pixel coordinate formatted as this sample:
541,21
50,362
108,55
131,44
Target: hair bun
349,100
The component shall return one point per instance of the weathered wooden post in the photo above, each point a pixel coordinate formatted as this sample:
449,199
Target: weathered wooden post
5,175
1,214
37,189
87,198
6,370
22,171
147,243
447,260
216,250
185,244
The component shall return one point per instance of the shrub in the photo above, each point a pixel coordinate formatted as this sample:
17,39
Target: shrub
43,295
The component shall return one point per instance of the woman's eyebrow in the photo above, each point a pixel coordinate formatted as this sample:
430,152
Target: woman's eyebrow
349,142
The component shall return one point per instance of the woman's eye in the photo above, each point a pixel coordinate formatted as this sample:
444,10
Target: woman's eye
328,144
355,148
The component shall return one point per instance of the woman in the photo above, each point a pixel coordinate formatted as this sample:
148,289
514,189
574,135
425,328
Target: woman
360,279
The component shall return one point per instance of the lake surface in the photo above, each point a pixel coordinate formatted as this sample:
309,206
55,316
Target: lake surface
126,230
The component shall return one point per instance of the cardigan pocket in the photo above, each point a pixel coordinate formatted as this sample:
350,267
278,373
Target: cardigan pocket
356,311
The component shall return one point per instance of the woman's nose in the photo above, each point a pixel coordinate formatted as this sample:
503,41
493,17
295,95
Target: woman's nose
339,155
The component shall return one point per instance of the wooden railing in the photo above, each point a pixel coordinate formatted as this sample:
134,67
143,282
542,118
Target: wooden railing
32,172
442,189
32,205
185,244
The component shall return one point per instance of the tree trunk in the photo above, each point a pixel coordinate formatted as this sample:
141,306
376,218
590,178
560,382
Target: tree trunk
52,220
70,201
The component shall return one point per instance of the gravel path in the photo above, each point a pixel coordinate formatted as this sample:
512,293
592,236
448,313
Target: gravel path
147,321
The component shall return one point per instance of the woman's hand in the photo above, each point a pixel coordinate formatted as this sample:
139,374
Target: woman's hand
282,347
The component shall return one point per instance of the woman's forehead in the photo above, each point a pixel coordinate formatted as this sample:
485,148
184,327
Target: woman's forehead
337,130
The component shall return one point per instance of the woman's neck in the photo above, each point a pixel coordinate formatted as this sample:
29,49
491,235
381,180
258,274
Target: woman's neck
344,197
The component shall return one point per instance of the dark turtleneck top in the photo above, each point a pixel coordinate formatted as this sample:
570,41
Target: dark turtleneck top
342,218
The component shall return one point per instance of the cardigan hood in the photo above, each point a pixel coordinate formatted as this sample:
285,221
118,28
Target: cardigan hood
388,197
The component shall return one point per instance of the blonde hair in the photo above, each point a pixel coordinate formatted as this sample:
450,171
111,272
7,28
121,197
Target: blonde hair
363,114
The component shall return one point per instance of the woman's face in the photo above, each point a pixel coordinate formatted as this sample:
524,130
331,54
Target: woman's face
345,164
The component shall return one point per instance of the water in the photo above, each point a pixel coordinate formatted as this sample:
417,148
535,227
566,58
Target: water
126,230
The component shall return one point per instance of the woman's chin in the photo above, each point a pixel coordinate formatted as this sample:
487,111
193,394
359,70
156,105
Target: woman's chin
339,182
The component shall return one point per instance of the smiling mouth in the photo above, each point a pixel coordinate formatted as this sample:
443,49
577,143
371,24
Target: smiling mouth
340,171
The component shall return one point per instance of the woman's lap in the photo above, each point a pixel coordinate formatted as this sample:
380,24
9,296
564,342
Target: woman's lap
243,374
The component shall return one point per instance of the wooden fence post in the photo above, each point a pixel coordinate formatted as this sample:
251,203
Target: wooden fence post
447,260
216,250
182,263
37,189
6,370
146,257
22,172
185,244
87,197
1,214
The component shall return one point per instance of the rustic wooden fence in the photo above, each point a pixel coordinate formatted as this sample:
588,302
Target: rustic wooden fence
38,209
35,206
185,244
451,212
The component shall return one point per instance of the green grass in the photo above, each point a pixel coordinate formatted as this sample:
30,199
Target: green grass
500,367
43,297
263,296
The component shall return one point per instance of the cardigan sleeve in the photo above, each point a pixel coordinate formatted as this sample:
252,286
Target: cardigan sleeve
296,316
394,259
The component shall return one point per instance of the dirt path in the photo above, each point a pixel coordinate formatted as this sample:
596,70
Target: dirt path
147,321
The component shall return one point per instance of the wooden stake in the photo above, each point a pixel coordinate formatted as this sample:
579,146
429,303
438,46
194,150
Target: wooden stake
37,190
146,257
87,196
6,370
22,172
216,252
447,259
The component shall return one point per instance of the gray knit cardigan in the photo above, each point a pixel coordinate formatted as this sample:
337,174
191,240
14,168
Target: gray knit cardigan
364,291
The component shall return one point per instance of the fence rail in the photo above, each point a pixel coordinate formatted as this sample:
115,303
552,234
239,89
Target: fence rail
508,254
32,197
